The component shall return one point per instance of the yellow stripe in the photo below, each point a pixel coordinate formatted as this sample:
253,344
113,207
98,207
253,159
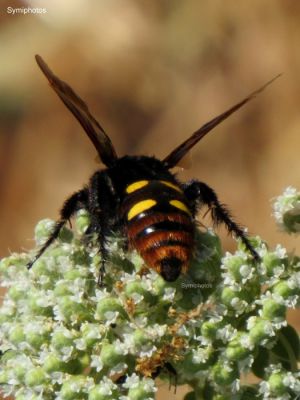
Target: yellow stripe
167,183
180,205
136,185
140,207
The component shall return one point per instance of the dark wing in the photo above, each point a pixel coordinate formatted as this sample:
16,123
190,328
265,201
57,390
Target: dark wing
176,155
81,112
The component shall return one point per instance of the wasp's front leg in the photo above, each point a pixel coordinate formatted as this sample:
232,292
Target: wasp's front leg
75,202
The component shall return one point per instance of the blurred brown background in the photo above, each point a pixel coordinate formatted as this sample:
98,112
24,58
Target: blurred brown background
152,72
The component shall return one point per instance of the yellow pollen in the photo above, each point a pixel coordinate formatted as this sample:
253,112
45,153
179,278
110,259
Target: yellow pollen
180,205
136,185
140,207
171,185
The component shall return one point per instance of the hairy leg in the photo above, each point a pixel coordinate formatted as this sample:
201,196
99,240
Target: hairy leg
71,205
103,203
199,193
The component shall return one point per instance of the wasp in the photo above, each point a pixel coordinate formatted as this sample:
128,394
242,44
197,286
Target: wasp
140,197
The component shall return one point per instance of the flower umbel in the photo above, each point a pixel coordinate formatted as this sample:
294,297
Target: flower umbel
64,337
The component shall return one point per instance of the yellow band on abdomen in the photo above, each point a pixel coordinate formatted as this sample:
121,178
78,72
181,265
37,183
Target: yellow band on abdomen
135,186
171,185
181,206
140,207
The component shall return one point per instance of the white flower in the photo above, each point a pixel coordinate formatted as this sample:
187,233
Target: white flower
226,333
201,355
110,317
96,363
169,294
147,350
132,381
107,386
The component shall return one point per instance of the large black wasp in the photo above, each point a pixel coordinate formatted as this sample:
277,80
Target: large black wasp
140,197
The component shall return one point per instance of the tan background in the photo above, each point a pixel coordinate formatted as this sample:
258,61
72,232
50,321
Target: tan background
152,72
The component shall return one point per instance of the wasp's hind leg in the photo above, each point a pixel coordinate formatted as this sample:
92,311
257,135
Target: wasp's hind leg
201,194
71,205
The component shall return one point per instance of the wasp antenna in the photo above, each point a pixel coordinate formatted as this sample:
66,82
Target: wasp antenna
176,155
80,110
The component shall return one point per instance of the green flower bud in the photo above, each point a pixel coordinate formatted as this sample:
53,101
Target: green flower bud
291,220
235,350
20,372
273,263
74,388
80,257
277,387
205,266
192,363
62,339
107,306
235,298
76,366
4,377
17,335
282,289
190,297
36,339
91,334
73,274
224,374
209,329
111,355
101,392
159,286
261,331
271,310
82,221
139,338
66,235
16,293
238,267
37,305
40,268
62,288
52,364
13,263
71,310
228,295
43,230
136,287
4,317
35,377
84,361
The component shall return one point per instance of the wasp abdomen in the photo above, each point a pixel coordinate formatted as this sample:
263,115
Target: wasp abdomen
159,225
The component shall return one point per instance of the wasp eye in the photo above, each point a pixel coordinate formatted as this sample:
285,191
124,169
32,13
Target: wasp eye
170,268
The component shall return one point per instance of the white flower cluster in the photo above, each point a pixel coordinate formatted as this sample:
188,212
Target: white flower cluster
287,210
64,337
